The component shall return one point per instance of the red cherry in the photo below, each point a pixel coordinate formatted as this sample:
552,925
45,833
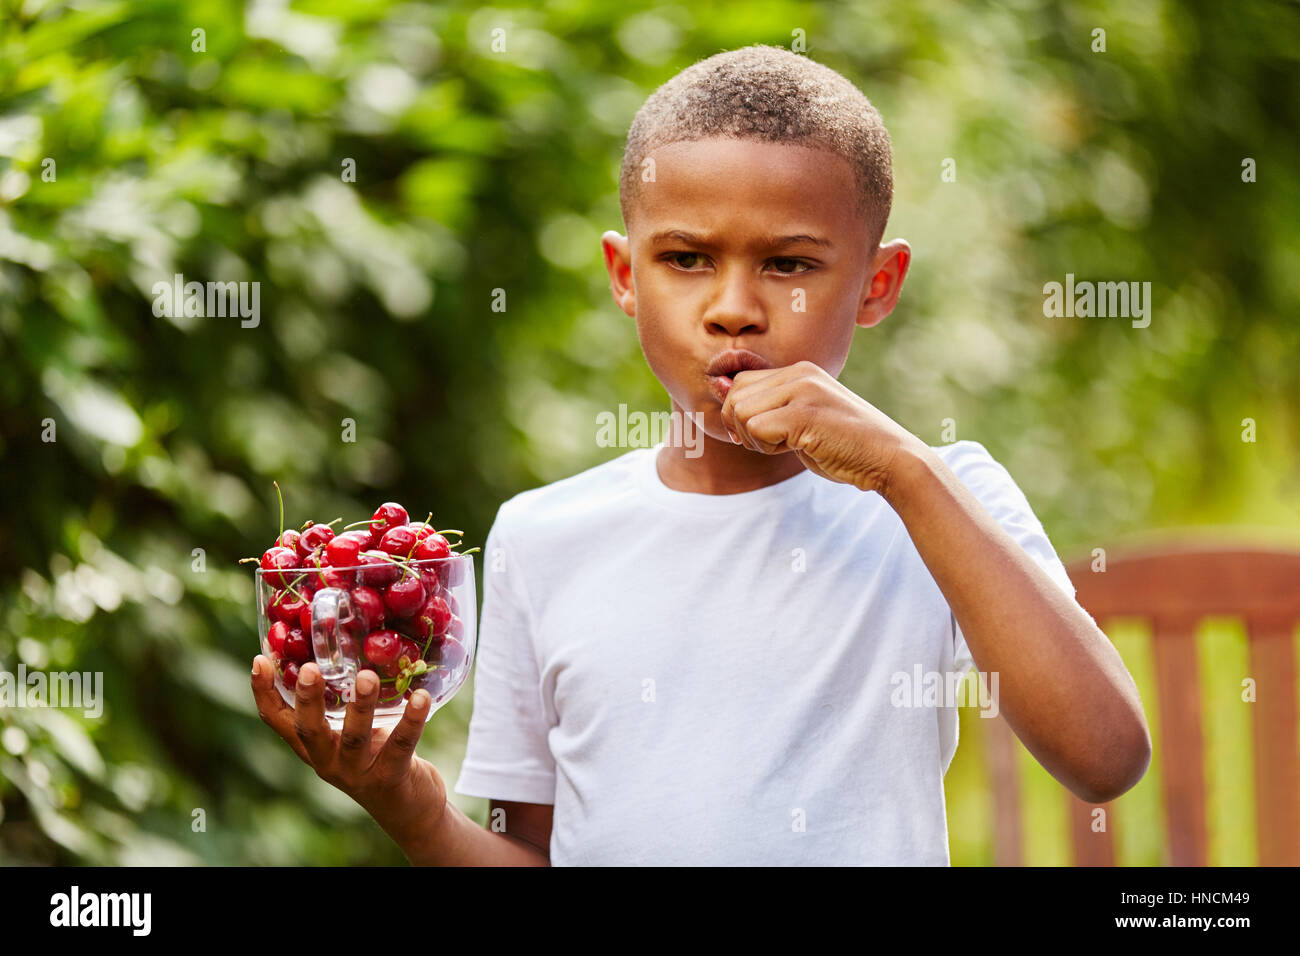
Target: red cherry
286,607
382,647
325,576
456,628
368,607
343,550
288,539
433,618
388,515
451,654
429,578
403,598
410,652
291,676
452,605
277,560
317,536
297,647
432,547
377,569
421,529
399,541
275,638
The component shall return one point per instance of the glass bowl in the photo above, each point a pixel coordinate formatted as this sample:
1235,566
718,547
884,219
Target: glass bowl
411,622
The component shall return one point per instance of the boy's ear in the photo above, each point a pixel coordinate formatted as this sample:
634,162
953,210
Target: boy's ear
888,269
618,262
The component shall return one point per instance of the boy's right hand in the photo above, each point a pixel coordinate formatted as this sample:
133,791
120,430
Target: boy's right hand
376,768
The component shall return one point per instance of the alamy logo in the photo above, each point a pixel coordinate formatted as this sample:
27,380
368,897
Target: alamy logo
208,299
948,689
62,689
1129,300
102,909
643,430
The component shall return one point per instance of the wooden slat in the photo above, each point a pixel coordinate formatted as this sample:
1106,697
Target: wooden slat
1277,767
1090,849
1196,581
1000,747
1182,757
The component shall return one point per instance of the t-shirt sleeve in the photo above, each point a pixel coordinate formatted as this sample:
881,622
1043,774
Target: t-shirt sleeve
507,756
993,485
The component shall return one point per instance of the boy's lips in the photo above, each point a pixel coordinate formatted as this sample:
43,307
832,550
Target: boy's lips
724,366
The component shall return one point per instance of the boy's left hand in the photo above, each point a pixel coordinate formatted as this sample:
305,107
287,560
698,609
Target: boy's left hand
802,408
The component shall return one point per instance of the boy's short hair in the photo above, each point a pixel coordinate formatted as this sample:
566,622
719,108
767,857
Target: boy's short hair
768,93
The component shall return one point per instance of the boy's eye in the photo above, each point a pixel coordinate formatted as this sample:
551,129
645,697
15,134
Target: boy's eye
677,257
797,262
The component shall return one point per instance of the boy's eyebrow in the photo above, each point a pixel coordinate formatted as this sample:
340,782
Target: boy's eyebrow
767,242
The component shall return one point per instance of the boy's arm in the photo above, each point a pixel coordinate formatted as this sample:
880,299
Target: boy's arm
453,839
1062,686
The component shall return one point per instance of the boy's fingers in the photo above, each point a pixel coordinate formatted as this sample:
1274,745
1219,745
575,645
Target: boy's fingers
275,713
309,716
400,745
354,741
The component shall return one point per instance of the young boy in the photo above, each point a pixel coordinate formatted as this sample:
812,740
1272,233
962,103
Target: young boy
697,658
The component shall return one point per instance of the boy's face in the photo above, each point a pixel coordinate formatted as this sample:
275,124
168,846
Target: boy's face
730,279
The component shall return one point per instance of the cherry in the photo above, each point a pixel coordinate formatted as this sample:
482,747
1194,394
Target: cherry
326,576
297,647
285,606
342,550
291,676
377,569
403,598
456,628
277,560
275,637
399,541
451,654
421,529
288,539
432,547
452,604
382,647
368,608
317,536
410,652
428,572
433,619
388,515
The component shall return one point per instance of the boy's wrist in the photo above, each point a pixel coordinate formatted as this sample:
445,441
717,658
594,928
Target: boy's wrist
911,464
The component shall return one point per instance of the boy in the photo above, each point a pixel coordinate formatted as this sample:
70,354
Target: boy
695,658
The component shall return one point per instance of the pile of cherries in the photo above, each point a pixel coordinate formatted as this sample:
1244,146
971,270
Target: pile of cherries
404,618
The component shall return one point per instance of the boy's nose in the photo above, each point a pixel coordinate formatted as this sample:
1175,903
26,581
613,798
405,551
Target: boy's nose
735,311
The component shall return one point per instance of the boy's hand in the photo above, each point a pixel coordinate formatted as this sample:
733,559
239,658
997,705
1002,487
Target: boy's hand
803,409
376,768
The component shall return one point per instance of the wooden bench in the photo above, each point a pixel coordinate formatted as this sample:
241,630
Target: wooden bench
1173,589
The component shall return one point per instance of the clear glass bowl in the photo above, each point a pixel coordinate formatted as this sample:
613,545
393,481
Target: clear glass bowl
333,618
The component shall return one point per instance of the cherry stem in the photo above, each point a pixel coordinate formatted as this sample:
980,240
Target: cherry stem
357,524
305,525
334,522
447,531
281,499
246,560
294,591
470,551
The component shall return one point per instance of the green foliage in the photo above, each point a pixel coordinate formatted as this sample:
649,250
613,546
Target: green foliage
479,170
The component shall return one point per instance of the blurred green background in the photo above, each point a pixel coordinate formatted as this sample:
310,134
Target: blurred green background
479,169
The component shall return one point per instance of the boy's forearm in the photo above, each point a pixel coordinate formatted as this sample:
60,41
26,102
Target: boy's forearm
453,839
1062,686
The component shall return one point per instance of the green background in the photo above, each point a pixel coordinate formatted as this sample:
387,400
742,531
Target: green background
479,169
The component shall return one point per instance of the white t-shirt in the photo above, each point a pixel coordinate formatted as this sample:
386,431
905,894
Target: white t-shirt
699,679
